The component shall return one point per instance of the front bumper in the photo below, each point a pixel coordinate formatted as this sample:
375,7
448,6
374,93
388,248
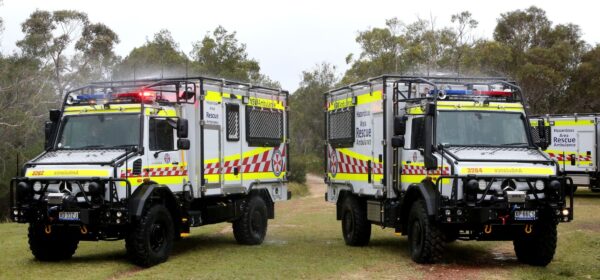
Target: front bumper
63,208
555,204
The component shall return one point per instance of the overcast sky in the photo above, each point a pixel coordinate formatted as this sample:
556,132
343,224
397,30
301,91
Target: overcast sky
286,37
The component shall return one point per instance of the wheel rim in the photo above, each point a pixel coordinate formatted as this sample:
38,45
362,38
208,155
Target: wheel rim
158,236
348,224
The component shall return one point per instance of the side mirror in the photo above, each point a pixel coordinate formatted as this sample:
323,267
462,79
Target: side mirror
400,125
430,160
183,144
182,128
398,141
48,132
54,115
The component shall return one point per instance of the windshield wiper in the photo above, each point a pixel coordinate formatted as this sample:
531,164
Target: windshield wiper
123,146
514,144
90,147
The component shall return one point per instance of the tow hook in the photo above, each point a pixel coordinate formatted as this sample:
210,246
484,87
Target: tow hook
48,229
84,230
528,229
488,229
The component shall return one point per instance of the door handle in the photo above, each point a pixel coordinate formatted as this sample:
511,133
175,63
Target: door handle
236,171
175,163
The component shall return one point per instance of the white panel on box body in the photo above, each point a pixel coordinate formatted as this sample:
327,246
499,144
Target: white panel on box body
574,146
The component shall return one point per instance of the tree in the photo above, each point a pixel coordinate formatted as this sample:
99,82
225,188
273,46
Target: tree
463,41
416,48
306,117
543,57
160,57
584,91
50,35
221,55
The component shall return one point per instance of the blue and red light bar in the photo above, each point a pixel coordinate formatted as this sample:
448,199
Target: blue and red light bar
136,97
494,93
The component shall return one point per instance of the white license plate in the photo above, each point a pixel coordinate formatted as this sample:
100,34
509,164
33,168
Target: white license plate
525,215
68,216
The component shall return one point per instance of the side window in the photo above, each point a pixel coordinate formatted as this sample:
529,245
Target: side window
417,140
161,135
232,113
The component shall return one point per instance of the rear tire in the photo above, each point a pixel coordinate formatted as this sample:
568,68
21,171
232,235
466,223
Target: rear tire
251,227
151,240
537,248
425,239
355,226
59,245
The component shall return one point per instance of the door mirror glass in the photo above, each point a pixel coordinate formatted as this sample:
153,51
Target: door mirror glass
182,128
400,125
398,141
430,160
183,144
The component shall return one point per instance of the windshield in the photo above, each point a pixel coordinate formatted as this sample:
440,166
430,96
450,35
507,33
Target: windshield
468,128
100,131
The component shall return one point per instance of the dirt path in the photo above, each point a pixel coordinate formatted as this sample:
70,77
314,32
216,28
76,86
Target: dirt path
316,186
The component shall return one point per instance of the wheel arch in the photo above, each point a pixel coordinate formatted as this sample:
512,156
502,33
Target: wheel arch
153,193
423,191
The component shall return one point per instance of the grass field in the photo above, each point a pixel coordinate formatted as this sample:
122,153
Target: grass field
304,241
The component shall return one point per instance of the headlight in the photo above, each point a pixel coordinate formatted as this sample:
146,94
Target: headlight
539,185
482,184
37,186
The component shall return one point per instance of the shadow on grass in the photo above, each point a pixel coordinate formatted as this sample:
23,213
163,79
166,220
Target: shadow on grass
468,254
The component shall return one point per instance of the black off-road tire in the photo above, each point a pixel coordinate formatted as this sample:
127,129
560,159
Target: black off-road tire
251,227
425,239
59,245
151,239
356,228
450,235
537,248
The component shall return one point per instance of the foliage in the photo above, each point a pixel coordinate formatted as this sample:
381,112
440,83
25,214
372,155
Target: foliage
543,58
49,36
221,55
160,57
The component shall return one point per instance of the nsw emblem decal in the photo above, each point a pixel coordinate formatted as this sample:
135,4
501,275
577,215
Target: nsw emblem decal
277,162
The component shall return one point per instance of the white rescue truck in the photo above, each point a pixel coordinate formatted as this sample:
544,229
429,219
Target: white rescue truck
440,159
121,162
573,143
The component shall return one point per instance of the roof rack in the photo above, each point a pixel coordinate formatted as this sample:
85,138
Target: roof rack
442,87
161,90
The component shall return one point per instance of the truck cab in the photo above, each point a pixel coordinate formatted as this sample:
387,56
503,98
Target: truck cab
147,160
447,158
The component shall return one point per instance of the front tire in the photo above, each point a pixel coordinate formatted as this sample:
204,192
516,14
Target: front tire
537,248
151,241
251,227
60,244
425,239
355,225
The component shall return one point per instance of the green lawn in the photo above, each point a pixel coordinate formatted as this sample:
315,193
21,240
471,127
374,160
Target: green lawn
304,241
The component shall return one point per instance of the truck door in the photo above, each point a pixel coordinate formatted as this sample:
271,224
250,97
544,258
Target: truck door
167,165
585,149
376,167
212,147
232,144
